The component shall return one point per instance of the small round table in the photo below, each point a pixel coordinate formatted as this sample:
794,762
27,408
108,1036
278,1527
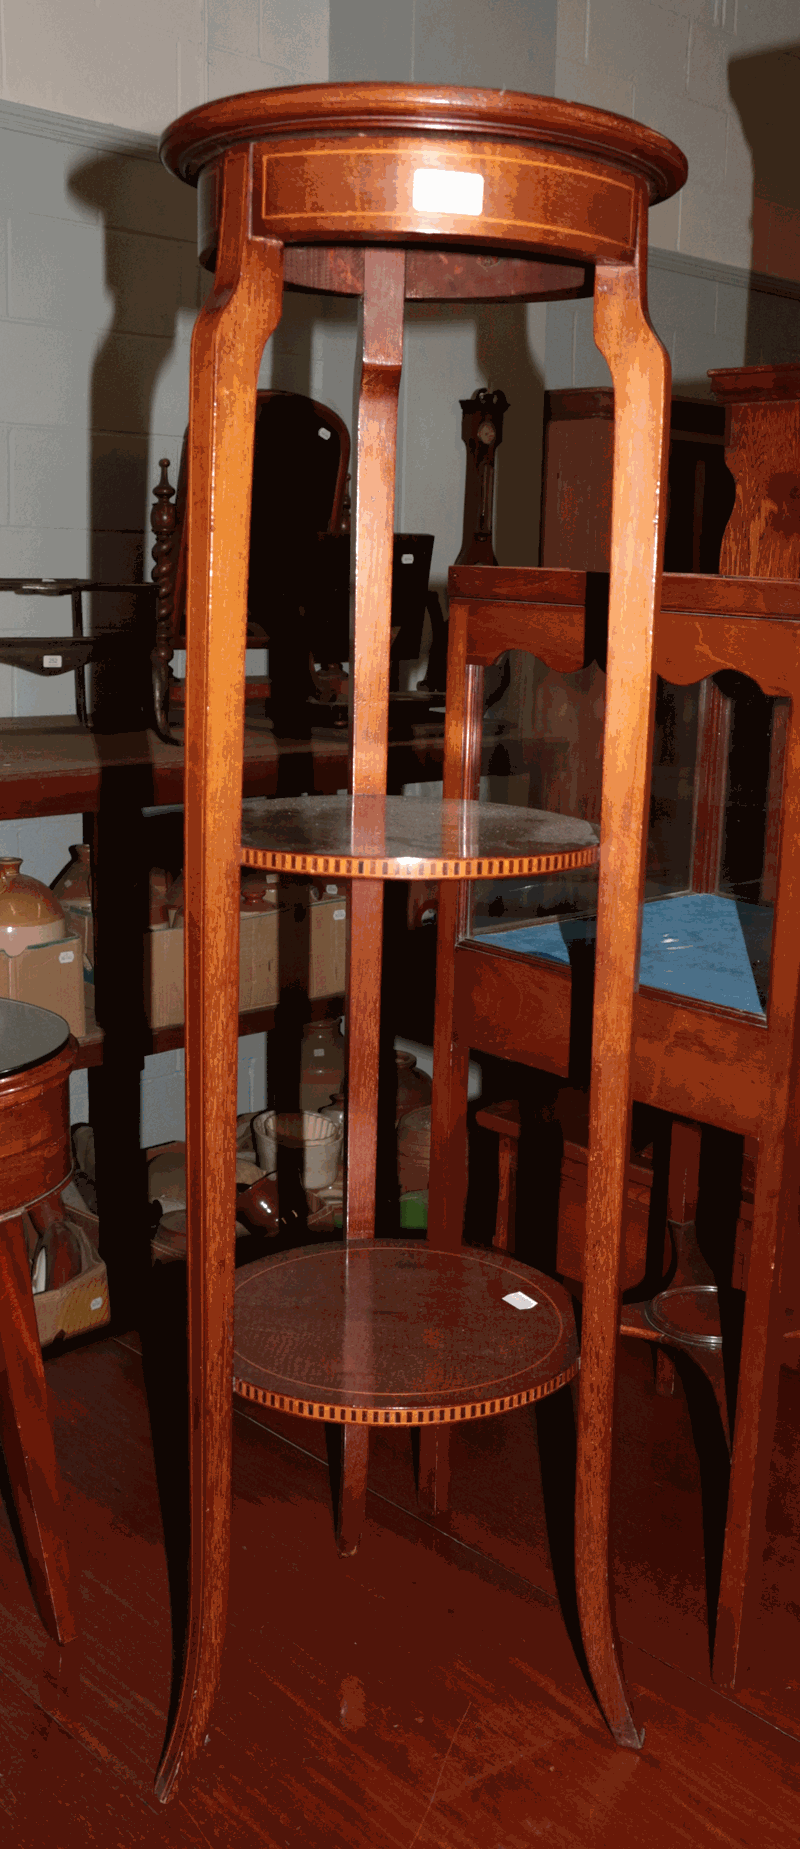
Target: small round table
37,1055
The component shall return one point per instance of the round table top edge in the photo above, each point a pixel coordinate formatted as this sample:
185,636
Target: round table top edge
200,136
359,1409
60,1056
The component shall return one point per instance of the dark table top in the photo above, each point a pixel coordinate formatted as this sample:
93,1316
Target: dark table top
28,1036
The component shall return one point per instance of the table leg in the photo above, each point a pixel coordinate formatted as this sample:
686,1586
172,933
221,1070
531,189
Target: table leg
447,1193
229,337
352,1488
770,1303
362,1046
371,633
382,359
641,377
27,1437
504,1232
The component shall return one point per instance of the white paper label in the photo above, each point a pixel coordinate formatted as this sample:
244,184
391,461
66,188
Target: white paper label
325,434
520,1301
339,914
51,661
66,956
96,1303
406,558
436,190
333,889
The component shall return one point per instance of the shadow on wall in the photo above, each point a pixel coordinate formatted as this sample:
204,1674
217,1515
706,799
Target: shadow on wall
493,349
149,232
505,359
765,90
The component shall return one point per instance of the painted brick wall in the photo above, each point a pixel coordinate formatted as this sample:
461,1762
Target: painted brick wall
138,66
99,288
722,79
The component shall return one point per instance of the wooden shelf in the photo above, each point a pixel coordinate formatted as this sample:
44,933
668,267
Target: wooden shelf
387,1331
158,1039
401,838
56,767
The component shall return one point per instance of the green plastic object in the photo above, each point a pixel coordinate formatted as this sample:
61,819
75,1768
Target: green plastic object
414,1208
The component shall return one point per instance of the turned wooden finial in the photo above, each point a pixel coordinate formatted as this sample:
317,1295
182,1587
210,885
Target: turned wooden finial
482,432
162,522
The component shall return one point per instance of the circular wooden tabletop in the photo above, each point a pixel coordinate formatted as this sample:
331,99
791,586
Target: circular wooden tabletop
28,1036
201,136
389,1331
401,838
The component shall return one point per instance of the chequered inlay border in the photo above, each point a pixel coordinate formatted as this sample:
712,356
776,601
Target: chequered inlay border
403,1415
347,867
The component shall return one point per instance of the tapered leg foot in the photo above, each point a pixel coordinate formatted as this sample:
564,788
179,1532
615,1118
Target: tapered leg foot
228,341
433,1482
665,1375
352,1489
27,1438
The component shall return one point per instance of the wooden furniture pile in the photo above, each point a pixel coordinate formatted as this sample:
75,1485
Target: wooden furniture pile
394,193
117,653
705,1048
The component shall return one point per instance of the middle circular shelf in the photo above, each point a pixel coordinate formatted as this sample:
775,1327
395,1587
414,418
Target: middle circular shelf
403,838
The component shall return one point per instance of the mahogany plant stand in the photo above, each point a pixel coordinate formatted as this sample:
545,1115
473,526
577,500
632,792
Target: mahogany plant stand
393,193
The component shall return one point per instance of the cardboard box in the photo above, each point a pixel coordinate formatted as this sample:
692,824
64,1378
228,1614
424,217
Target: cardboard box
258,968
259,960
328,947
81,1304
163,977
49,976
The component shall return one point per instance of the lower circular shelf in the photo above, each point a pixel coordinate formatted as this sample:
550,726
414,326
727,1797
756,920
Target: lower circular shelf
391,1332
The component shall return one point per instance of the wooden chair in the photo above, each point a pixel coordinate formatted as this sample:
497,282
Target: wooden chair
708,1054
565,759
36,1058
763,452
299,556
298,598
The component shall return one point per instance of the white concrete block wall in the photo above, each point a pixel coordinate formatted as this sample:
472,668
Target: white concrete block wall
99,288
448,354
720,78
140,66
101,293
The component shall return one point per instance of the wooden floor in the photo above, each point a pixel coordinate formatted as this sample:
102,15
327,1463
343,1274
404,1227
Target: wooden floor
423,1694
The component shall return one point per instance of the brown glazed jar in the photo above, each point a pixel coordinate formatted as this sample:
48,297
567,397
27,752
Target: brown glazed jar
321,1064
73,889
74,885
29,912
